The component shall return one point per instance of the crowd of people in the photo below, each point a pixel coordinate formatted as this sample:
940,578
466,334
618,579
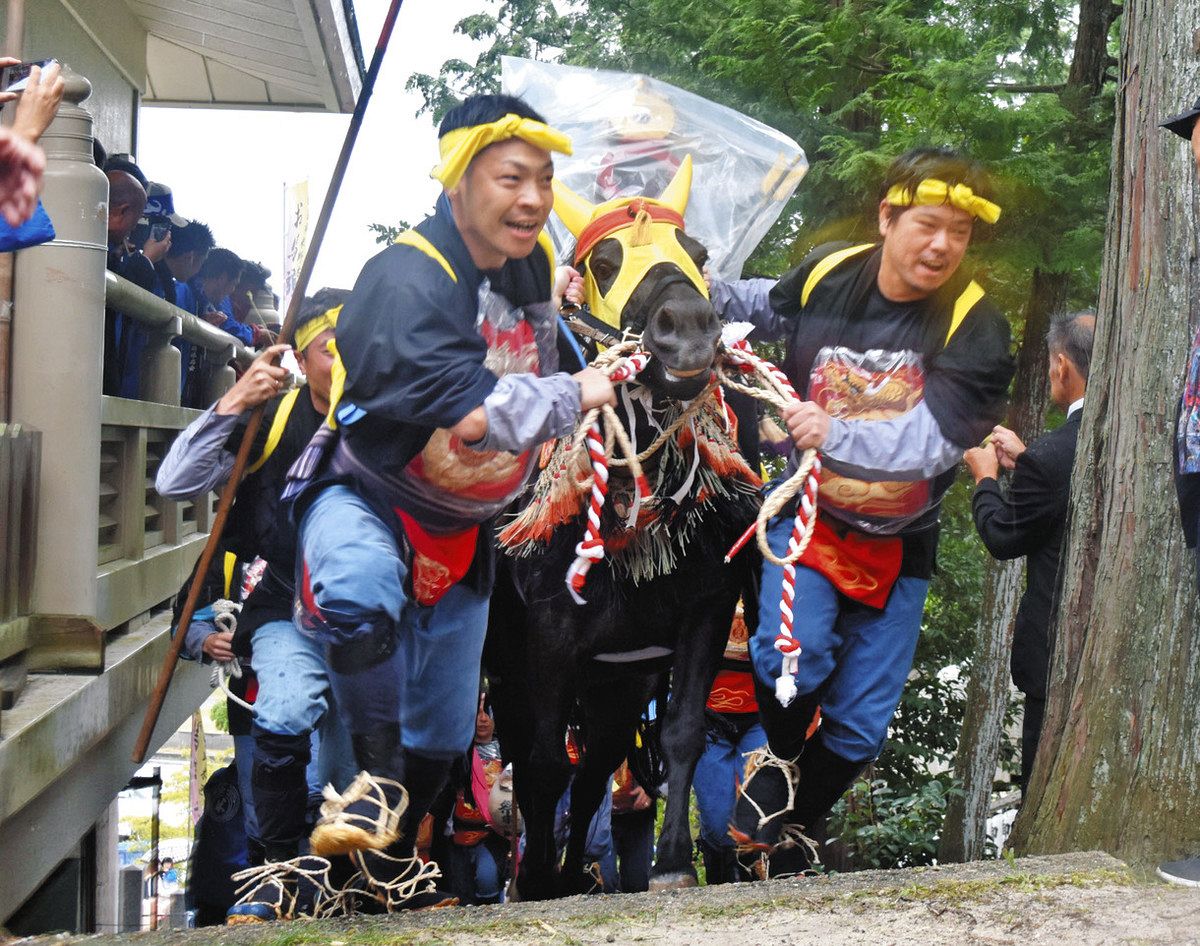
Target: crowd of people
350,601
177,259
149,243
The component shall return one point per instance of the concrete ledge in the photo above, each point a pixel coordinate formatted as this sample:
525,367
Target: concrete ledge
126,588
14,637
123,412
66,752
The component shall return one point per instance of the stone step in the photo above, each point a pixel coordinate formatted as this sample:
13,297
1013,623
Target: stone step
1086,898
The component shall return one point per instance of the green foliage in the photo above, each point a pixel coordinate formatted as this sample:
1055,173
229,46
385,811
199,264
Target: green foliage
385,233
219,714
881,828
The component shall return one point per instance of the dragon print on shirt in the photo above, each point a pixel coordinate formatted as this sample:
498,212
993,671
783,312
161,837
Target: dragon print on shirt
873,385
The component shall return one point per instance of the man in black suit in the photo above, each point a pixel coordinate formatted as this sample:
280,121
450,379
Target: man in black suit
1030,518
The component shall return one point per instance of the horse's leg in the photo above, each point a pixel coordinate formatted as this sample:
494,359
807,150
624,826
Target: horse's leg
700,645
611,712
542,779
505,662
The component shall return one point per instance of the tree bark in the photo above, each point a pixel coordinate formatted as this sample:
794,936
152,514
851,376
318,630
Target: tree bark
1119,763
963,828
1090,60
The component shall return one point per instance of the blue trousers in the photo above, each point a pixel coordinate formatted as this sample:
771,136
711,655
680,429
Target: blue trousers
476,873
717,776
294,698
431,682
856,658
243,761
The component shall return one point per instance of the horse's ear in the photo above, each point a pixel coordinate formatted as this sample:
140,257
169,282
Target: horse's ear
676,193
573,210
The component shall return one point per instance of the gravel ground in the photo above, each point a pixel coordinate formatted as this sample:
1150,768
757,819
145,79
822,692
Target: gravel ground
1069,899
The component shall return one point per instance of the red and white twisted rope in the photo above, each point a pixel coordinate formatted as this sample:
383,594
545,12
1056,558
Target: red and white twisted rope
591,548
808,474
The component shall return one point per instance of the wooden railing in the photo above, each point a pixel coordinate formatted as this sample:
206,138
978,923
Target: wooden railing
20,461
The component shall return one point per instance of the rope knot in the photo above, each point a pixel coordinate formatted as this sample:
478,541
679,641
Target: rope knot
786,645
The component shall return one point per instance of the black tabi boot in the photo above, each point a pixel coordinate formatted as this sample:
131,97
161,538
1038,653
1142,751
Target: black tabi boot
364,673
280,787
282,885
397,879
368,814
767,790
720,864
424,778
825,777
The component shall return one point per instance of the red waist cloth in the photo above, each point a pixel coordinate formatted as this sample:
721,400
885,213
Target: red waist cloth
862,567
733,692
438,560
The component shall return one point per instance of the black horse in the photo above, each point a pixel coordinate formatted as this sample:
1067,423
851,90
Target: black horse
662,600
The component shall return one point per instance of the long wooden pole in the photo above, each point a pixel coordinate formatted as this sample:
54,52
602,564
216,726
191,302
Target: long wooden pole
285,336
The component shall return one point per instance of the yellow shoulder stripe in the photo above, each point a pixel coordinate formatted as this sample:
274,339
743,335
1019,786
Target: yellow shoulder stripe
826,265
962,305
228,564
277,424
415,240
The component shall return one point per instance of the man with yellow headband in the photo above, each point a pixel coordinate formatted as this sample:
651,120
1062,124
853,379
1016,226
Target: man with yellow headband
274,760
903,363
448,350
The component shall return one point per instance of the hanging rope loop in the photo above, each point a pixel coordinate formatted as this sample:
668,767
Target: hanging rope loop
740,369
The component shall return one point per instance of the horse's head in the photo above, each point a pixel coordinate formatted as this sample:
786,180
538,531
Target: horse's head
642,274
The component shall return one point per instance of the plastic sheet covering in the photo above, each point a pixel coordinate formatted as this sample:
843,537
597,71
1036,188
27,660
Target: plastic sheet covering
630,132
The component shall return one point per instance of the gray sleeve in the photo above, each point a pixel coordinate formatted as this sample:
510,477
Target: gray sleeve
197,461
908,448
193,641
524,410
746,300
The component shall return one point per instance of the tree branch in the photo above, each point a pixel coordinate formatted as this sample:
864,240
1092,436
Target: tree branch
1027,88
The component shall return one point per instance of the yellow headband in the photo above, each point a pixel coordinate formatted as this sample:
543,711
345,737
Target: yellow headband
931,191
459,147
309,330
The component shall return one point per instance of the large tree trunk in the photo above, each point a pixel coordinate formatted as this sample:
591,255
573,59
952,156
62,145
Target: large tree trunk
963,828
1119,763
1090,62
